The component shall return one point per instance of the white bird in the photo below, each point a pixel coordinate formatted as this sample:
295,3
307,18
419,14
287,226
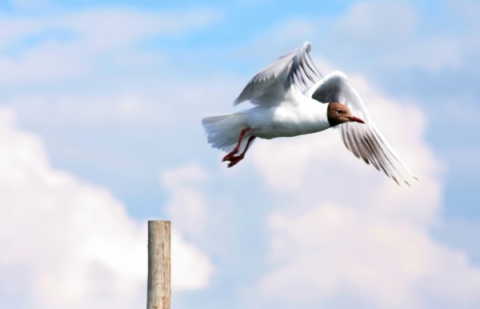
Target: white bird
283,110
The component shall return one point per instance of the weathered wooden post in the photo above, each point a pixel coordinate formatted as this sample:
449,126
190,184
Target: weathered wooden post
159,265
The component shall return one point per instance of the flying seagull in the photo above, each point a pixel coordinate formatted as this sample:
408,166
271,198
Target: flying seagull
282,109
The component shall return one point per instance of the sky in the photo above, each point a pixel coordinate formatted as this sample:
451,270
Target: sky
100,131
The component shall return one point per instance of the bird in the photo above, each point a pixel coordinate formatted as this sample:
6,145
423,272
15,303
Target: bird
290,97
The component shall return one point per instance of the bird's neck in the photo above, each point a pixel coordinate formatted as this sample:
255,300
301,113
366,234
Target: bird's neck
315,114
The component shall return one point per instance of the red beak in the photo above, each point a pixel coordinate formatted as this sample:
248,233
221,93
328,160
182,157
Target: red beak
353,118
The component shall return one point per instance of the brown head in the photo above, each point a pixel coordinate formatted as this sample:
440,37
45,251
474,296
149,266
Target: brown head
338,113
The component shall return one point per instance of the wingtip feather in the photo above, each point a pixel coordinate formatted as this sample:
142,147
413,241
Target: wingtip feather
307,46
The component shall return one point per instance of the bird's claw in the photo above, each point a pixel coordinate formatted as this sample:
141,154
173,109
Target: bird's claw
230,155
233,160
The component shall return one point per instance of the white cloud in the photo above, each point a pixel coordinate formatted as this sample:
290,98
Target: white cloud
187,206
152,105
191,268
94,110
58,46
433,54
397,35
466,11
377,22
107,29
66,243
348,230
341,250
188,211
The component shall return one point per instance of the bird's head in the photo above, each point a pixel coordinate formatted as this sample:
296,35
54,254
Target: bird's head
338,113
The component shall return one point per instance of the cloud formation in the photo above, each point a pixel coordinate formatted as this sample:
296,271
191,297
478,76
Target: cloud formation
68,244
59,47
188,210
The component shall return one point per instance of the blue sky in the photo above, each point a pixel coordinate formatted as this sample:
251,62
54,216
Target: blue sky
100,108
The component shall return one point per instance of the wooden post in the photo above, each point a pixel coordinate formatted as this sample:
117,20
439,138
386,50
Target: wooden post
159,271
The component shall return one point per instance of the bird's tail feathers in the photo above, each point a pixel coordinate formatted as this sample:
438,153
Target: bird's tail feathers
223,131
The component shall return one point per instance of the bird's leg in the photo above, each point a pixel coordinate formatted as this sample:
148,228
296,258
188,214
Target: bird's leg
235,159
237,148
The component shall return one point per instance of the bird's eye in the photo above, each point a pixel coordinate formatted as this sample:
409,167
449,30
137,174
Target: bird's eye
339,111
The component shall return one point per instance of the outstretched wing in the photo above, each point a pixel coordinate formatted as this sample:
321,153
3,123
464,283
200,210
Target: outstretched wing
271,84
364,140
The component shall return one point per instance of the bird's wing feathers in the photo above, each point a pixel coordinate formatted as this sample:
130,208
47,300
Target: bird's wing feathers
271,83
364,140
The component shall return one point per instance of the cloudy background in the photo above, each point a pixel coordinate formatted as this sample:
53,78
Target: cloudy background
100,108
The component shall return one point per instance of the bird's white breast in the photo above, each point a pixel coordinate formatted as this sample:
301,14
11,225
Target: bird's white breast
296,115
